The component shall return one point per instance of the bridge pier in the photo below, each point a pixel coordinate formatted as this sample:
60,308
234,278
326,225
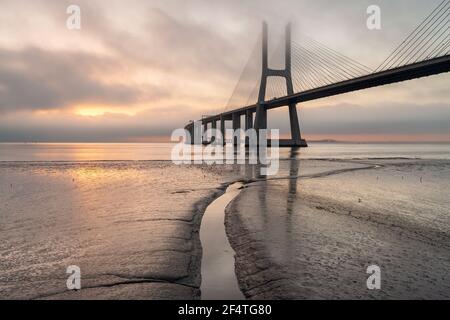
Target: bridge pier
248,124
222,129
248,119
261,109
209,139
236,118
195,132
214,128
204,137
190,128
296,137
260,119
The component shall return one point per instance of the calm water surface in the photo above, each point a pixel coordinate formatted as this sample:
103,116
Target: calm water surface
130,223
162,151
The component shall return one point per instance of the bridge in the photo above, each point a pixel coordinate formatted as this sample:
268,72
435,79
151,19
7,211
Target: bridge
323,72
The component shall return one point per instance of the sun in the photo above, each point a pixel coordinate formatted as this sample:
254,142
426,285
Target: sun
98,111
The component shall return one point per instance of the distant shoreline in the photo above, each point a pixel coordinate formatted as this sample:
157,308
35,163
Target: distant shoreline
171,142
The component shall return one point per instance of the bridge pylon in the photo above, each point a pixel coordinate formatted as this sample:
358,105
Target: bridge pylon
261,109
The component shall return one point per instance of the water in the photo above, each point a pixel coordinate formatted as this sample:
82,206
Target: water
130,227
130,219
218,278
162,151
84,151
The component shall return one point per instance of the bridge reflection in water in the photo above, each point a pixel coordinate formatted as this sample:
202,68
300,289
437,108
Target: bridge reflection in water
312,230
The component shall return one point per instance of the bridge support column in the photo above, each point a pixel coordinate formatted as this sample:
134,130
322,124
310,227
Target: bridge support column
205,128
248,119
197,132
260,119
222,129
261,111
236,118
295,127
248,124
214,128
190,129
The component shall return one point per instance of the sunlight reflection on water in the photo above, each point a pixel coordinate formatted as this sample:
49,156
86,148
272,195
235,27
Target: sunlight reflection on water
162,151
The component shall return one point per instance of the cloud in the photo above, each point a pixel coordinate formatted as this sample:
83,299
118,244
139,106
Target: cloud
171,61
36,79
352,119
110,127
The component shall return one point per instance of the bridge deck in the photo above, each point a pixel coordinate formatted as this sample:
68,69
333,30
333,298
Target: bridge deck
408,72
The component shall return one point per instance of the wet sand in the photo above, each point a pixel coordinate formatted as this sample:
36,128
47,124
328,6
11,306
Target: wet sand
312,232
132,228
308,233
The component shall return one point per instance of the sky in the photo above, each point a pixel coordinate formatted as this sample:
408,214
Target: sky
138,69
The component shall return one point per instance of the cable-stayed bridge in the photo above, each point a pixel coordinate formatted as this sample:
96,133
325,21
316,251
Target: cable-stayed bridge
313,71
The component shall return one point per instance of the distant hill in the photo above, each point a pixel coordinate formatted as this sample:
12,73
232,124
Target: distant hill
325,140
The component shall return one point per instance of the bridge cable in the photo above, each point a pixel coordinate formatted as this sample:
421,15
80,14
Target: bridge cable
236,95
320,63
424,37
313,68
444,48
400,59
430,46
314,76
415,36
338,64
340,57
321,66
436,51
328,74
407,40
